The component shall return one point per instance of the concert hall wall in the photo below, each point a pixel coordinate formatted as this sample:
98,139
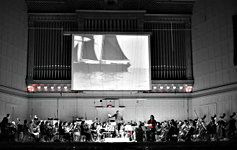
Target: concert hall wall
13,58
134,109
215,76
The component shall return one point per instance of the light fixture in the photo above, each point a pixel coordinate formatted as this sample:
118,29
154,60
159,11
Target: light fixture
189,89
30,88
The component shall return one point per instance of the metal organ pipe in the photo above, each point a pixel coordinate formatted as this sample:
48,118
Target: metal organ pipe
52,49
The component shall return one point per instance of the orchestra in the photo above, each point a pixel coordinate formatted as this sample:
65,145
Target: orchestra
82,130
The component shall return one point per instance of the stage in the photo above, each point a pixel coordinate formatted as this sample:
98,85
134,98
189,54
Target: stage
221,145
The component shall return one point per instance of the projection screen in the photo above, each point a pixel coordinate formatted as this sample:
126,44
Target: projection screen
110,62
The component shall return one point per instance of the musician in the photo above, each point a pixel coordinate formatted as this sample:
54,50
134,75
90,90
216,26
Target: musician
221,131
55,131
232,127
201,128
76,132
67,131
4,124
118,119
94,131
151,133
139,132
42,130
19,130
49,131
34,130
190,130
212,128
25,131
85,131
100,130
172,131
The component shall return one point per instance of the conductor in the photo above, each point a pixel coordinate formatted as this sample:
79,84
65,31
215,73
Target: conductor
118,119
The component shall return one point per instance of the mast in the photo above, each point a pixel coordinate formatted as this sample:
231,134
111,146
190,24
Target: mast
101,51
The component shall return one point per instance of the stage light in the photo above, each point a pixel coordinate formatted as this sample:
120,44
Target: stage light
167,87
30,88
110,106
59,87
52,87
161,87
65,87
174,87
154,87
189,89
180,87
39,87
45,87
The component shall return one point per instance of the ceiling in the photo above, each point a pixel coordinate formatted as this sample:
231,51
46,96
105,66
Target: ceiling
151,6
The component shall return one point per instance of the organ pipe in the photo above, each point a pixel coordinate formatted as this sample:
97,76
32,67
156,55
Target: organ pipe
168,49
52,49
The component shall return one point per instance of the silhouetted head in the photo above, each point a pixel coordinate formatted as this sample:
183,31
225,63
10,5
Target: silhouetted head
152,117
233,115
223,116
8,115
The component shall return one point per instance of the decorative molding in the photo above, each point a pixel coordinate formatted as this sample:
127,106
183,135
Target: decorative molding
13,91
126,12
215,90
52,17
50,82
167,18
172,81
112,14
120,94
103,94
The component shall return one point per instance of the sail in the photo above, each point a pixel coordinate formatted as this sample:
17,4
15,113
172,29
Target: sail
75,57
111,49
87,51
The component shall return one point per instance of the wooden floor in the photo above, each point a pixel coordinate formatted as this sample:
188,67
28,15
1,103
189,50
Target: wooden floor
222,145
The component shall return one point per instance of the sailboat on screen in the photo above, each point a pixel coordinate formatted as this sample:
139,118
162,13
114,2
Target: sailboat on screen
108,57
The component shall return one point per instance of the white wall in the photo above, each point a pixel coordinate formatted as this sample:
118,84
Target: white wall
135,109
212,42
213,67
218,104
13,58
15,105
13,43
